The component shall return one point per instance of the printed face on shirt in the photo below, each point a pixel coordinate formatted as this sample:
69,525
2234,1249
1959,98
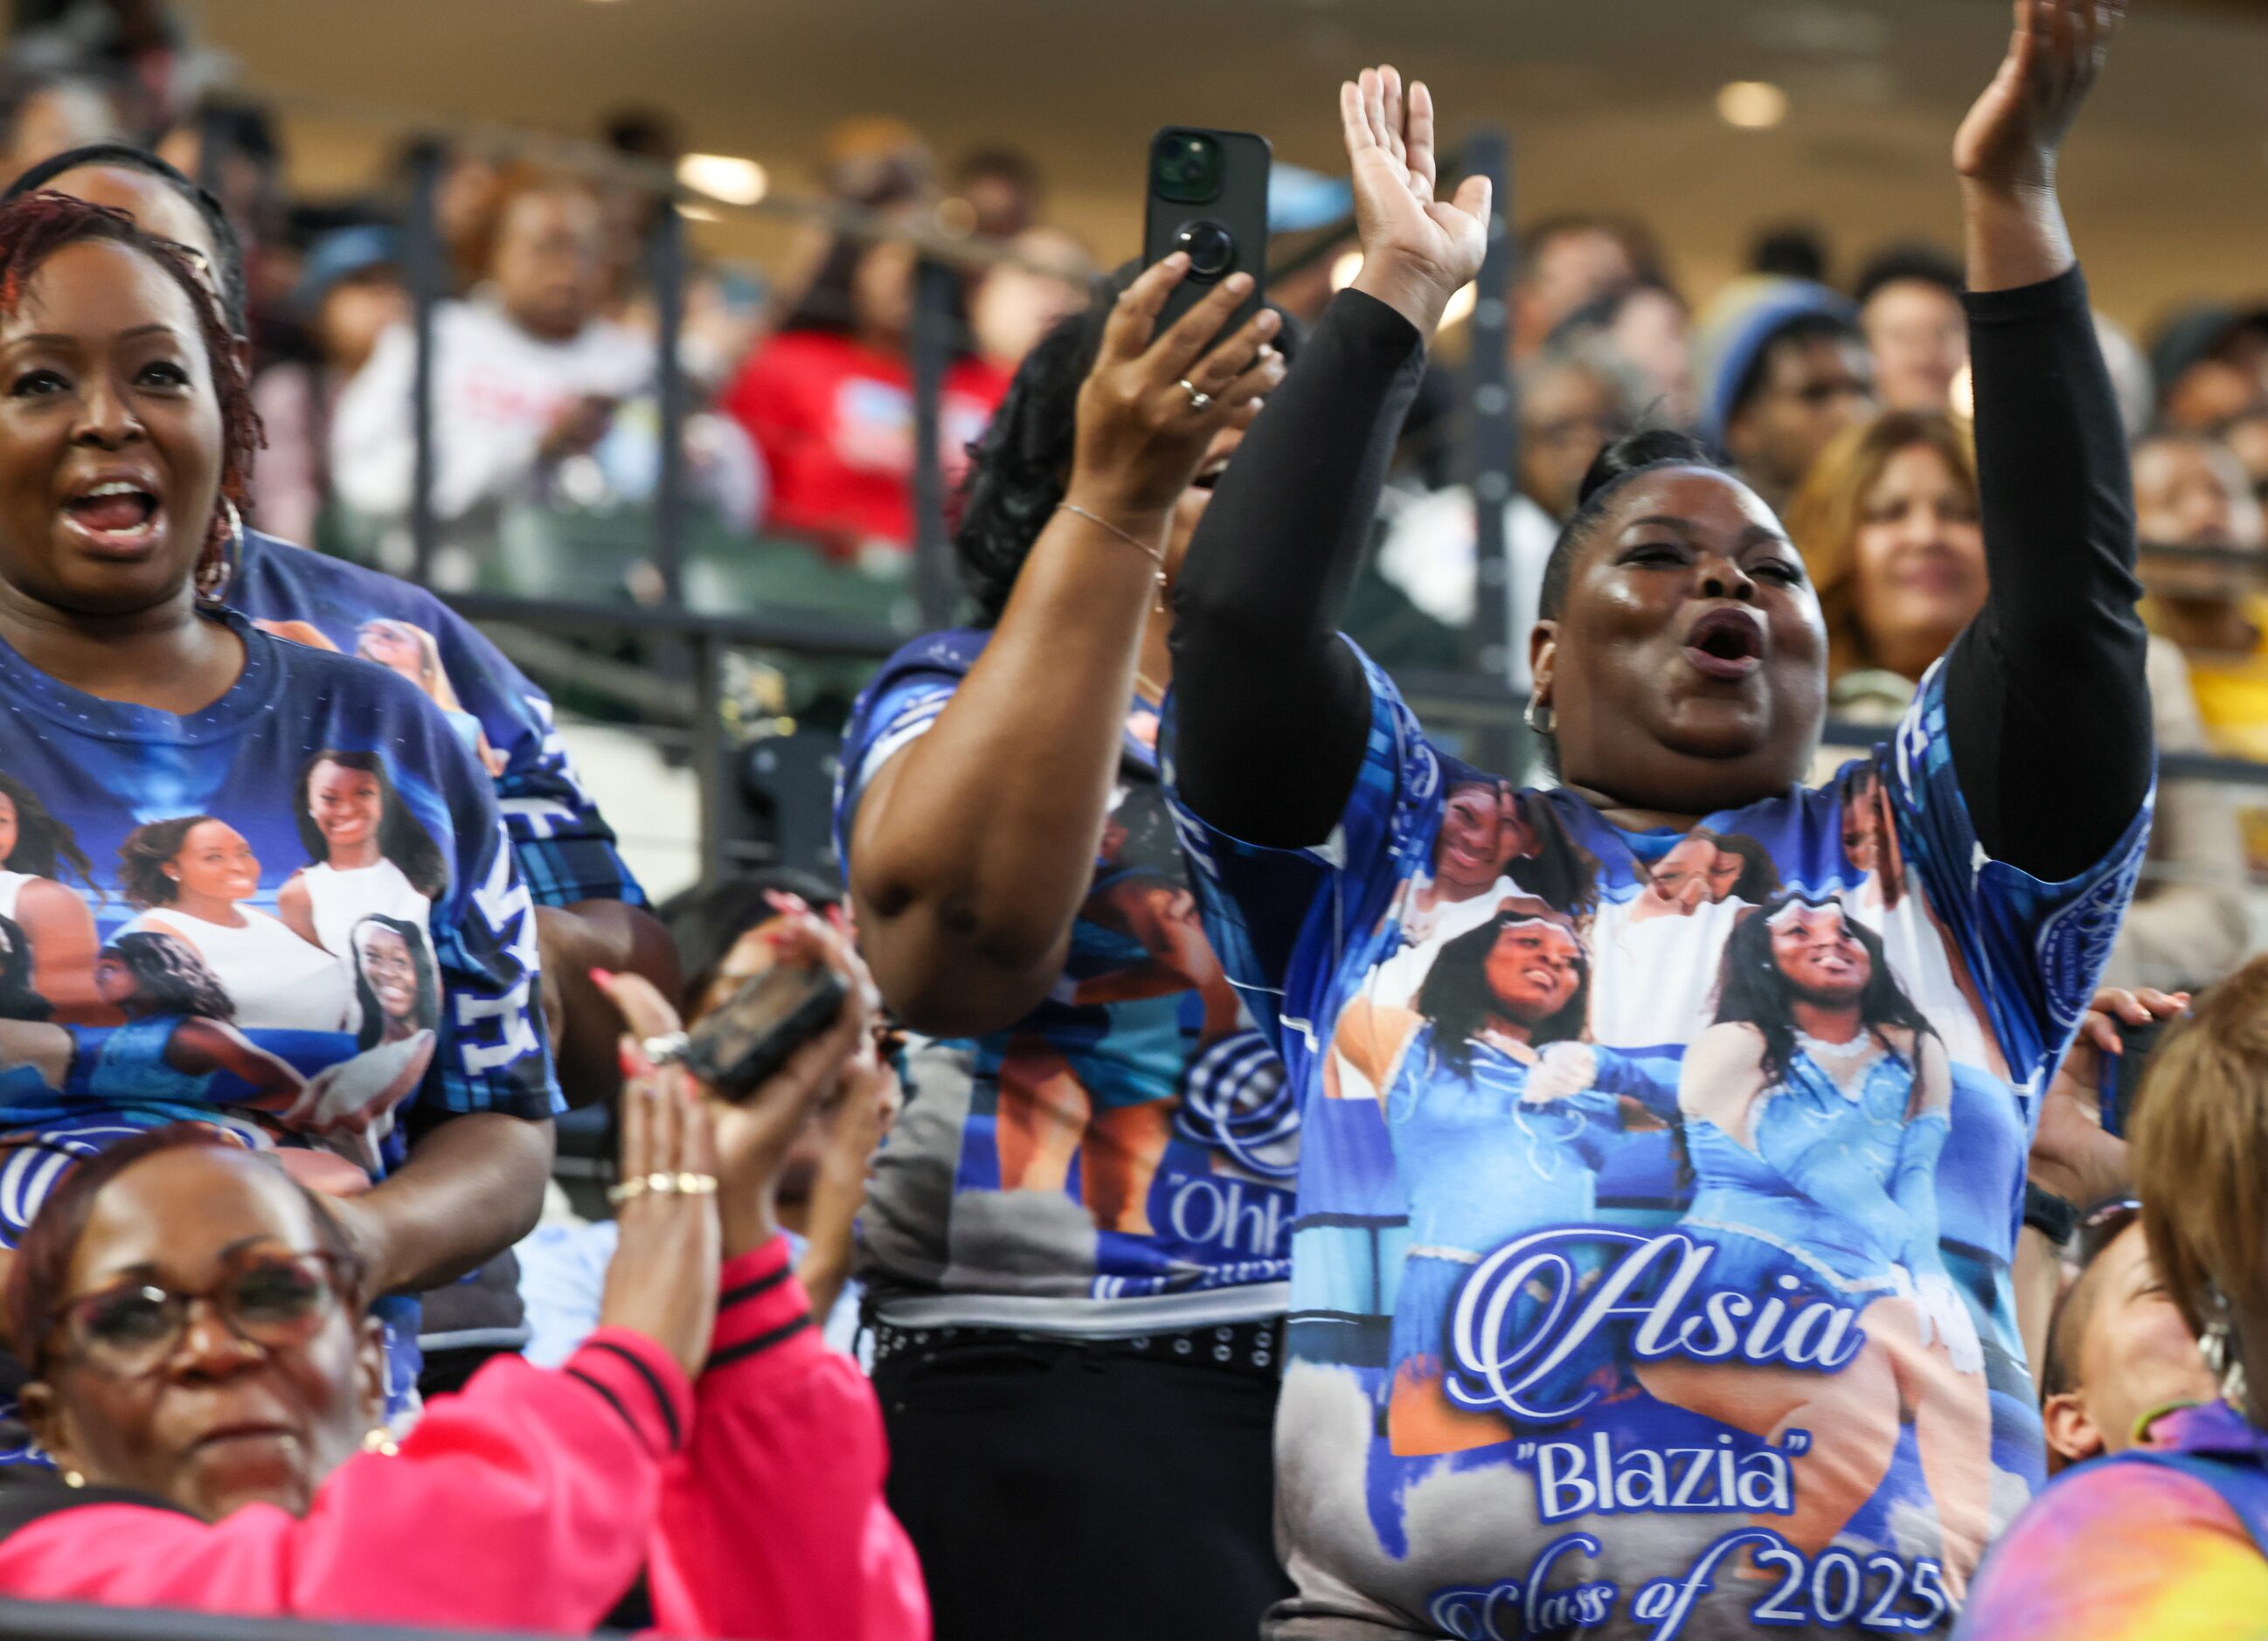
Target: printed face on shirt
1532,970
345,804
1472,830
1724,871
106,340
1685,877
390,967
7,828
215,862
1822,958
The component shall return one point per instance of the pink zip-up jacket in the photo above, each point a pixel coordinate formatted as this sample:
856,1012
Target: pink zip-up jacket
753,1497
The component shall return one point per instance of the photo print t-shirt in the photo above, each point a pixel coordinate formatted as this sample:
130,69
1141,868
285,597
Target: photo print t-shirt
564,850
294,914
1119,1161
1658,1193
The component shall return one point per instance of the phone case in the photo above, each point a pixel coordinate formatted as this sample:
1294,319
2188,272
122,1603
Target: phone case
1239,204
749,1069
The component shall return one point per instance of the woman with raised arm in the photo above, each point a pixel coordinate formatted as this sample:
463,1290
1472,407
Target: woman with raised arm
1075,1247
1680,668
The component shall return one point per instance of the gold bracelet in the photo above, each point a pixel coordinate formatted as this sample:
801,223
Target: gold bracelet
1155,555
663,1185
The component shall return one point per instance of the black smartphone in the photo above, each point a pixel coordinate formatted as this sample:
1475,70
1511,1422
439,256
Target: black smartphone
742,1043
2122,1074
1208,195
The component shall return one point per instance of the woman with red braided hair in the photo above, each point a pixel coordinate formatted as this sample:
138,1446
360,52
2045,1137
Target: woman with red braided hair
131,697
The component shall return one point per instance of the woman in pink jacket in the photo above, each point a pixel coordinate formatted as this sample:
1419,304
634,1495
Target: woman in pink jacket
205,1376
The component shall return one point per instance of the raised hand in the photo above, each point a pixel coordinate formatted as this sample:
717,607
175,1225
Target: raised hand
1152,404
1417,250
2012,136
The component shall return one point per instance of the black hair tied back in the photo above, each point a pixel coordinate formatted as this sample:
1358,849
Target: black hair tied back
1615,466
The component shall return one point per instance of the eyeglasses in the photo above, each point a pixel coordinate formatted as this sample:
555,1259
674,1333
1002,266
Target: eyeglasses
271,1300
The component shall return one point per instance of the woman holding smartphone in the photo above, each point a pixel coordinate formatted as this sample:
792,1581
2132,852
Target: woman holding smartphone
1075,1261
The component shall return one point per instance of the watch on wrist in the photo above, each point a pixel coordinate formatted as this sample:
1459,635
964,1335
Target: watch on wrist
2053,1217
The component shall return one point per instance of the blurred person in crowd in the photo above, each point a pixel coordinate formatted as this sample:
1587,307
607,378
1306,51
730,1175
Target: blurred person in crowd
2118,1352
1680,681
126,677
350,294
42,115
1781,372
1794,250
203,1373
1888,527
2246,435
1002,189
590,909
726,934
1075,1240
140,48
1566,262
828,400
654,137
2189,490
527,375
1569,407
2211,361
2170,1537
1909,301
1015,304
1643,328
2130,378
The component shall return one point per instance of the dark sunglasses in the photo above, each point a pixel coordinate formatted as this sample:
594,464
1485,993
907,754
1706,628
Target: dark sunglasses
274,1301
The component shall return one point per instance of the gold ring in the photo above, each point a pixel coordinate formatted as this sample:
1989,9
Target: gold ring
696,1184
617,1195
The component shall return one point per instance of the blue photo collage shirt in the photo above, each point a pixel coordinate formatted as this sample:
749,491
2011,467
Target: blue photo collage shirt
1120,1161
1658,1192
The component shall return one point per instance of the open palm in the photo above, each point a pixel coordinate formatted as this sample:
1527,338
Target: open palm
2012,135
1417,250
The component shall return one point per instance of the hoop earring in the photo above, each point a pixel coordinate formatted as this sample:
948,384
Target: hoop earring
217,564
1540,716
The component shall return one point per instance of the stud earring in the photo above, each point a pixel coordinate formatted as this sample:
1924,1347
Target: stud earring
380,1442
72,1478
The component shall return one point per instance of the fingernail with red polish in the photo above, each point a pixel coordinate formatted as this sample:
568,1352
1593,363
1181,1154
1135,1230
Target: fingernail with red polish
604,976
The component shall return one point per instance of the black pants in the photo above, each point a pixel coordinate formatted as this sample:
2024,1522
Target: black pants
1054,1489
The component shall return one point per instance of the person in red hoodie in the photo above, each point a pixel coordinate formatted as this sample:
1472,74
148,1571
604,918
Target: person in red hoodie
208,1382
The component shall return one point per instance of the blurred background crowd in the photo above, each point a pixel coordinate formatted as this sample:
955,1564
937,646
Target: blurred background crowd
1825,355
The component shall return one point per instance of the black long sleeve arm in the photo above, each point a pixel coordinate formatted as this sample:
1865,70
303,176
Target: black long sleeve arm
1272,711
2047,708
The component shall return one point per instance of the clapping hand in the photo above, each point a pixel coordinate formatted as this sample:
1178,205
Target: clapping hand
2012,136
1417,250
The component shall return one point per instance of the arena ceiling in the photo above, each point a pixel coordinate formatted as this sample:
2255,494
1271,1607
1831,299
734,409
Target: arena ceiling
1610,103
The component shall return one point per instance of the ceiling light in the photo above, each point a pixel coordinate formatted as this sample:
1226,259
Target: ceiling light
1343,271
1752,105
723,177
1461,304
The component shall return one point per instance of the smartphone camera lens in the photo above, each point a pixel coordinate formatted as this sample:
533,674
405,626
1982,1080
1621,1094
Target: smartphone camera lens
1210,245
1185,167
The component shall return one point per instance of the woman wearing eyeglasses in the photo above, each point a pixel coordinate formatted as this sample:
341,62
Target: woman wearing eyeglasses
206,1376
